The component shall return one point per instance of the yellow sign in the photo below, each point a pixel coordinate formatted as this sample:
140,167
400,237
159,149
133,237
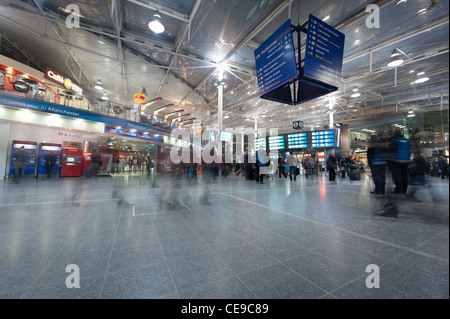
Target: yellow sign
139,98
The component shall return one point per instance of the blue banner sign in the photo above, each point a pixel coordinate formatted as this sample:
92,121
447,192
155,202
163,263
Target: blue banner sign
298,125
275,60
324,53
74,113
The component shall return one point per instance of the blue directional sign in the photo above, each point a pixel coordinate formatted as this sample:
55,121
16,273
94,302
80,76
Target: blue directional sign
298,125
275,60
324,53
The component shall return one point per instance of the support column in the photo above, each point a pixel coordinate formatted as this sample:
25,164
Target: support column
220,98
331,113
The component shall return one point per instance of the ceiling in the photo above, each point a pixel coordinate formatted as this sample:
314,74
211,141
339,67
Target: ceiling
115,45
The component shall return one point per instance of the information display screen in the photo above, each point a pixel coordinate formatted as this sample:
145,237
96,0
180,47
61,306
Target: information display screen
275,60
260,142
324,52
323,139
226,136
276,143
299,140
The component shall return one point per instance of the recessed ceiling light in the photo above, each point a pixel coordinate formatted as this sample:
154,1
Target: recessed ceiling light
326,18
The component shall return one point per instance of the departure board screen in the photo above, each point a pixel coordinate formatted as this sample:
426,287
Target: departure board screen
299,140
276,143
260,142
322,139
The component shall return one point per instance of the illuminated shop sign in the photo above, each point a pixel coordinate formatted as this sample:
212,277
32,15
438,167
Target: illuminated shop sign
60,79
133,134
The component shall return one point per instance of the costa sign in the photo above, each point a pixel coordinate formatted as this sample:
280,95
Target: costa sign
60,79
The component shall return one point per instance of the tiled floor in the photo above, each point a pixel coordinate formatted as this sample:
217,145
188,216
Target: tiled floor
234,239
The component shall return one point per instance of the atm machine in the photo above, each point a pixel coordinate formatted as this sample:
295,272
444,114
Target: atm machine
44,148
71,162
31,149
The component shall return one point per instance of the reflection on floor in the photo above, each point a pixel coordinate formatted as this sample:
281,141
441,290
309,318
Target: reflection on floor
135,237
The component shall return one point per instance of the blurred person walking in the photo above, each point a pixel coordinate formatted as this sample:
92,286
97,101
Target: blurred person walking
331,167
400,150
292,163
442,164
281,166
416,174
95,157
377,163
19,163
261,161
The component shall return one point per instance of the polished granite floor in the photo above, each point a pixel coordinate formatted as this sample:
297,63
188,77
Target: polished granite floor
233,239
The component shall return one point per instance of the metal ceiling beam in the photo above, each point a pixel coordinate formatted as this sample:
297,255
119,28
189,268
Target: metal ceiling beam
420,57
164,10
179,43
17,47
249,37
117,17
404,36
131,37
63,39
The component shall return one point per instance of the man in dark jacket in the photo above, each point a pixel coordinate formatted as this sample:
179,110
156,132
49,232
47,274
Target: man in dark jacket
50,162
442,163
377,161
20,162
400,150
331,167
281,166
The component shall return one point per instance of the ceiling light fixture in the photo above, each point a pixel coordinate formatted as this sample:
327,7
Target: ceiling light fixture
421,78
355,93
155,25
162,108
326,18
422,11
396,59
99,86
